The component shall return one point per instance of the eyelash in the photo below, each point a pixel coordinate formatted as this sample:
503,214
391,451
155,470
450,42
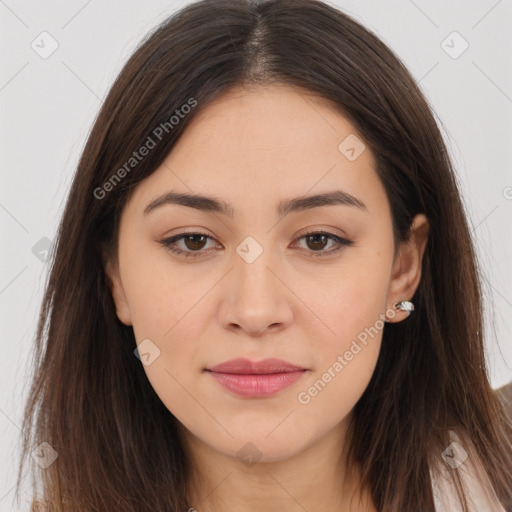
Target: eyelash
169,244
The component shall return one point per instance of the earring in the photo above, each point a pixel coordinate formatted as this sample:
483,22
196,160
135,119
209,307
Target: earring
403,305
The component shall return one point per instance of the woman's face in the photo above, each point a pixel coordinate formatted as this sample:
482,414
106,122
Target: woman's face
253,284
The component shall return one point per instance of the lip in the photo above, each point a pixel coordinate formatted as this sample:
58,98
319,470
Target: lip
256,379
247,367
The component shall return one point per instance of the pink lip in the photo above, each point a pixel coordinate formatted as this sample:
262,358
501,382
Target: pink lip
256,379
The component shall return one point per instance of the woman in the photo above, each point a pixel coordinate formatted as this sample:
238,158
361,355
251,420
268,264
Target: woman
264,292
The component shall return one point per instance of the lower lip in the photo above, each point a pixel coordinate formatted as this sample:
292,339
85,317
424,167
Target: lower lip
256,386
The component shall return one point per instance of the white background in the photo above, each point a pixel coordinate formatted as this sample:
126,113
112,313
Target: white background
47,107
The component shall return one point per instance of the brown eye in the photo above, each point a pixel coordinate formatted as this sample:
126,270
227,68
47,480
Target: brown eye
195,242
317,241
192,244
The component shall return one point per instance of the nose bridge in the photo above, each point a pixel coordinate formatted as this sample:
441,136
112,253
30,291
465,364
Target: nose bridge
257,300
252,273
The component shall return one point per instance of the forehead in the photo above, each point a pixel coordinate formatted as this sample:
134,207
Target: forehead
269,143
274,119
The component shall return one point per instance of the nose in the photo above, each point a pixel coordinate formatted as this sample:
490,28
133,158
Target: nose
256,299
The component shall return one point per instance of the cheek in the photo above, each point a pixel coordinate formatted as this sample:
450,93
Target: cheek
166,306
345,363
348,298
334,390
170,316
164,296
345,357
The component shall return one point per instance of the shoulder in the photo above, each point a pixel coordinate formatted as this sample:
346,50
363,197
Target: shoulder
459,457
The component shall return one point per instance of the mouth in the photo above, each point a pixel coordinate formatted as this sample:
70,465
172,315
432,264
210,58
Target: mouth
256,379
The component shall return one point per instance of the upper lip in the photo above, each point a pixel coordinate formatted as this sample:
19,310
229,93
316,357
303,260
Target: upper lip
245,366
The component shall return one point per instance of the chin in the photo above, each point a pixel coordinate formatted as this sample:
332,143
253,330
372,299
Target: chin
254,447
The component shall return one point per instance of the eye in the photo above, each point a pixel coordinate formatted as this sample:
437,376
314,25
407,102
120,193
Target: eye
195,242
318,240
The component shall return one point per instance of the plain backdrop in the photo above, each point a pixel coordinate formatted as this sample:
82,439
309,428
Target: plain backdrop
458,51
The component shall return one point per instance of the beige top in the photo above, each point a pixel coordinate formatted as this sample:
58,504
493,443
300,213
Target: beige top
479,492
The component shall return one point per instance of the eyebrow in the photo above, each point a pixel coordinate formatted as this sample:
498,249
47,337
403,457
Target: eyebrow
284,207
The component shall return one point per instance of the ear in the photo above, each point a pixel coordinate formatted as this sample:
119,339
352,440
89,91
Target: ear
407,267
118,294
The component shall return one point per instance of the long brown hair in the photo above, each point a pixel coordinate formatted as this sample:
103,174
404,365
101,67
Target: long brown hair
117,444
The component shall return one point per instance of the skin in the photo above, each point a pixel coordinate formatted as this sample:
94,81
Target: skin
252,148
